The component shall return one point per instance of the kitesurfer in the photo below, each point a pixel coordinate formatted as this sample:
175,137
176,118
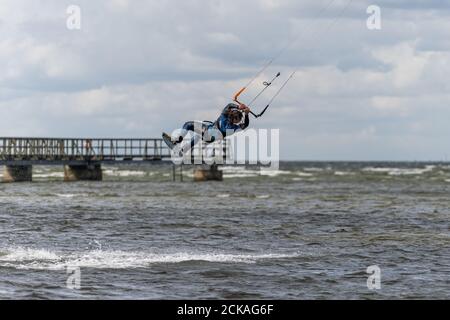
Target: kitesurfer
234,118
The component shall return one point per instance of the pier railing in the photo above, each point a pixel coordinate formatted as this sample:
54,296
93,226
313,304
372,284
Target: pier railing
81,149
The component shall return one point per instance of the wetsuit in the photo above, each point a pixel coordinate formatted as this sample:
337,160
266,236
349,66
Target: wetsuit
224,124
208,130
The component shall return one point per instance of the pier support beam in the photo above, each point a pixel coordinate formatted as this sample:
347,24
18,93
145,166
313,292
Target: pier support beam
87,172
208,173
18,174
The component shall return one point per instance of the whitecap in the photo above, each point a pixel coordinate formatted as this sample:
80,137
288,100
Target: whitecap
242,175
377,170
313,169
106,259
65,195
344,173
234,169
304,174
21,254
223,196
400,171
272,172
124,173
49,175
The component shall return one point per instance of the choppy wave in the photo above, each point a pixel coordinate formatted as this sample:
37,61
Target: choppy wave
344,173
71,195
49,175
26,254
41,259
304,174
286,172
124,173
234,169
238,172
400,171
338,171
240,175
223,195
308,179
242,172
313,169
273,173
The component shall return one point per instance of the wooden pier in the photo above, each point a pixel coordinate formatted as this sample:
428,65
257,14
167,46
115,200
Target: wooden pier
82,158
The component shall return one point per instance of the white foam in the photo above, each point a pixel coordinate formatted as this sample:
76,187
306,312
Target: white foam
263,196
344,173
241,175
124,173
313,169
113,168
239,172
400,171
223,196
272,173
234,169
377,170
71,195
243,172
26,254
304,174
20,258
49,175
304,179
410,172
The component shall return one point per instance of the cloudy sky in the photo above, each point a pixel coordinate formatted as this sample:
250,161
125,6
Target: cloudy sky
136,68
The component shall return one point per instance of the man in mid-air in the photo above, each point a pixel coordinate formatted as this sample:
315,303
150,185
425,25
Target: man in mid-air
229,122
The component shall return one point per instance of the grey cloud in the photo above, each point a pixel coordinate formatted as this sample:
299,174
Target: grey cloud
138,67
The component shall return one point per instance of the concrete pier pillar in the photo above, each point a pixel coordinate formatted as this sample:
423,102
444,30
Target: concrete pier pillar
18,174
86,172
208,173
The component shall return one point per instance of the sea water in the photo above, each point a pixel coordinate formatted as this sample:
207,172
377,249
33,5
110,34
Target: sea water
306,231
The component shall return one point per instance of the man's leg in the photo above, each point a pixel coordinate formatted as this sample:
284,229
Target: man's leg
179,134
193,126
196,127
